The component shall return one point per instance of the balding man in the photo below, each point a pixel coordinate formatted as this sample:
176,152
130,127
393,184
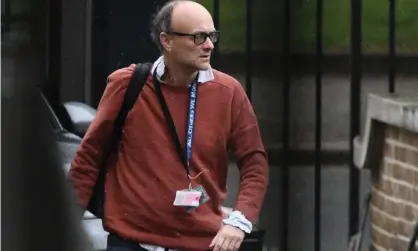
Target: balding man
154,200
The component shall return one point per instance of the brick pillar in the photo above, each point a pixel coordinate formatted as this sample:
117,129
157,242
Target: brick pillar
389,148
394,208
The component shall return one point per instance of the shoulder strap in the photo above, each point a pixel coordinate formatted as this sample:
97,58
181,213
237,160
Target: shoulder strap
96,203
136,83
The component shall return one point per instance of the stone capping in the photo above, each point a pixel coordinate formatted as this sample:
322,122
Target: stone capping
391,109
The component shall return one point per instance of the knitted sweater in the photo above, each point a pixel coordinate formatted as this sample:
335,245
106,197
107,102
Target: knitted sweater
145,173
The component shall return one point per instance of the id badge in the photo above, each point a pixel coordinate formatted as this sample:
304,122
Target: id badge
187,198
203,199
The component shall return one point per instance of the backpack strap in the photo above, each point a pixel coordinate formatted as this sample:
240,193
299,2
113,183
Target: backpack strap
140,75
138,79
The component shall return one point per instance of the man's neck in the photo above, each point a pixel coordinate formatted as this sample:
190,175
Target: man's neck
178,76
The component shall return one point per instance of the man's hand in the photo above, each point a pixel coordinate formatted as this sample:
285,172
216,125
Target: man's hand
229,238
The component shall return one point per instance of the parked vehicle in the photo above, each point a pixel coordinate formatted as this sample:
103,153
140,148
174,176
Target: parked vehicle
78,115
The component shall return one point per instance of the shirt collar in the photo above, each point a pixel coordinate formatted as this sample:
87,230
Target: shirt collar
159,66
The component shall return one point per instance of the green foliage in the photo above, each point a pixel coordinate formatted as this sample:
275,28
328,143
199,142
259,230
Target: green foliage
268,25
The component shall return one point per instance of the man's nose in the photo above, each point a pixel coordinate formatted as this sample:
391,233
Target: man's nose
208,44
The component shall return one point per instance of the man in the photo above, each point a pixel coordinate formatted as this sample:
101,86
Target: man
155,198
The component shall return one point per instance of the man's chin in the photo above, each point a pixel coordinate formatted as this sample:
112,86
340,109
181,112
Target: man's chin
203,66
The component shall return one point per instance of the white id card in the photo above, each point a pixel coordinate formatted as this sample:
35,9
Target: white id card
187,198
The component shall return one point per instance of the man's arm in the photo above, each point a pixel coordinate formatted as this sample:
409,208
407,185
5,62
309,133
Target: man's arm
85,166
246,145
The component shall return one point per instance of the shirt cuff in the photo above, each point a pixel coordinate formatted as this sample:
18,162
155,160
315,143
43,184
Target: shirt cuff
238,220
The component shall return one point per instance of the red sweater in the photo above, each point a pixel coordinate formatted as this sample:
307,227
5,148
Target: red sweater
142,183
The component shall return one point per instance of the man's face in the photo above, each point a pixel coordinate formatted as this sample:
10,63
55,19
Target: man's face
192,39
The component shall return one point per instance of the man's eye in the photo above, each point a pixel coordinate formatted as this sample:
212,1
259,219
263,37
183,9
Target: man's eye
200,36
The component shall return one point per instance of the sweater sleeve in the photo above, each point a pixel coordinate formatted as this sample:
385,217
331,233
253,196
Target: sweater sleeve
247,147
85,165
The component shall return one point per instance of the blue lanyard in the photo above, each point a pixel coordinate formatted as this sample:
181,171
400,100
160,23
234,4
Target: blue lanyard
191,119
193,90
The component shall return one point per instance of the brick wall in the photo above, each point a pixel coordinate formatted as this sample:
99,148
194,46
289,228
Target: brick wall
394,206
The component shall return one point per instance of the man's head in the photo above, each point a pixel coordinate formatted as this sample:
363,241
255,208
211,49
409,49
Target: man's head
185,33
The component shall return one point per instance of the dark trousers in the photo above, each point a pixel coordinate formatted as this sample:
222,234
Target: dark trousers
115,243
121,248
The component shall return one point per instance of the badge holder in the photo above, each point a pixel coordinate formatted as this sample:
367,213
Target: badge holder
191,198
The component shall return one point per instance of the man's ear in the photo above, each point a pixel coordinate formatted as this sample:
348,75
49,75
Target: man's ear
165,41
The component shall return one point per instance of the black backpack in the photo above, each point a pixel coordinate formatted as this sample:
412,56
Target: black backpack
140,75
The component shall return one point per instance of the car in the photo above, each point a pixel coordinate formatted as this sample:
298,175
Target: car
76,116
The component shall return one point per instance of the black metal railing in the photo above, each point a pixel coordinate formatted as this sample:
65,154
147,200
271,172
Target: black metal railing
216,21
6,16
356,73
392,45
248,47
318,125
355,102
286,74
414,238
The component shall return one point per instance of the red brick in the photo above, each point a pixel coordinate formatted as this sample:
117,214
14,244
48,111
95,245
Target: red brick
415,197
408,137
407,212
397,171
393,132
384,204
389,150
408,175
400,146
389,188
415,177
405,228
391,170
381,239
400,154
411,157
382,220
404,192
400,244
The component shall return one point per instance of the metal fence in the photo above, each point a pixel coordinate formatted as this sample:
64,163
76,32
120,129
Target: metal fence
356,58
